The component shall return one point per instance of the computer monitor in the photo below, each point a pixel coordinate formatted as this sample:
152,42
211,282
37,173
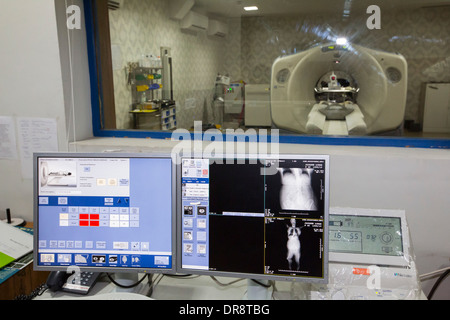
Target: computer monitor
255,217
104,212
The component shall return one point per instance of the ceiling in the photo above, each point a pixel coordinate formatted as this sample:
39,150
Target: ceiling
234,8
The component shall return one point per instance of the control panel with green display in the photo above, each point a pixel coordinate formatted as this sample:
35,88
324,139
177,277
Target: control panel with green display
368,236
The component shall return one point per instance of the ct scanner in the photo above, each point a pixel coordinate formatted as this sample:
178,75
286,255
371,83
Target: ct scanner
339,90
58,178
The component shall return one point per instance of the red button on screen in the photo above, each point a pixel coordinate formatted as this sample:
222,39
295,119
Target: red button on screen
94,223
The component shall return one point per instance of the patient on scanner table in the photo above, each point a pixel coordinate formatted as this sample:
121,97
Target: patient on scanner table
339,90
336,94
296,190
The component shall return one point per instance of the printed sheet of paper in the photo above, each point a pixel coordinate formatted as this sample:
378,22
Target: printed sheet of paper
116,54
8,148
14,243
35,135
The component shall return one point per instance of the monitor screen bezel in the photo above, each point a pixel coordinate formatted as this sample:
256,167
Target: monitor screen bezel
37,267
309,279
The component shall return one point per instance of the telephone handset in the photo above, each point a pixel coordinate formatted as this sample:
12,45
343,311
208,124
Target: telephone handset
72,281
56,280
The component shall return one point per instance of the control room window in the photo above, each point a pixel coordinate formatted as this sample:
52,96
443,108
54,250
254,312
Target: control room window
347,69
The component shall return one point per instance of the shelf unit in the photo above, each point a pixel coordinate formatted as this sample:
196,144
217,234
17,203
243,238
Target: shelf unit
148,109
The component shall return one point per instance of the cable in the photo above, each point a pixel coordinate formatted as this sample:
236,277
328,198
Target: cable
180,275
155,283
437,283
275,290
433,273
263,284
128,286
35,293
224,284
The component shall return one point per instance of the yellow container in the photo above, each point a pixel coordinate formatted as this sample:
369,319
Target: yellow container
142,88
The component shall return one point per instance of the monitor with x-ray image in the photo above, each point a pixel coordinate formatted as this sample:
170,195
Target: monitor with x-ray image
254,217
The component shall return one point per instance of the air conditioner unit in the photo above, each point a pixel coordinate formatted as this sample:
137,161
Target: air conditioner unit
194,21
114,4
217,28
179,8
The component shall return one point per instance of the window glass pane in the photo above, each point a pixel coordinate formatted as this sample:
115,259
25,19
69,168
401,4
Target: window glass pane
345,68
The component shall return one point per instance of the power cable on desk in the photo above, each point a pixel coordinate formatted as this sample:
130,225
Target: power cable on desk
263,284
437,283
432,274
154,283
181,275
224,284
131,285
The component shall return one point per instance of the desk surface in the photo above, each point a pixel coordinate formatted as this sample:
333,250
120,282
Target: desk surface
172,288
191,288
206,288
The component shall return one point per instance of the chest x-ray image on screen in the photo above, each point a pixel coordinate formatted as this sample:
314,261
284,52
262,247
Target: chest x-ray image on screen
296,192
244,219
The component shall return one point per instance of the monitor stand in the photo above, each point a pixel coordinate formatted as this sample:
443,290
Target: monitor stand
256,291
126,280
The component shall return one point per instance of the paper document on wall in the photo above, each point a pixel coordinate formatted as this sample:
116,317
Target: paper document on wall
8,148
190,103
14,243
116,54
35,135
